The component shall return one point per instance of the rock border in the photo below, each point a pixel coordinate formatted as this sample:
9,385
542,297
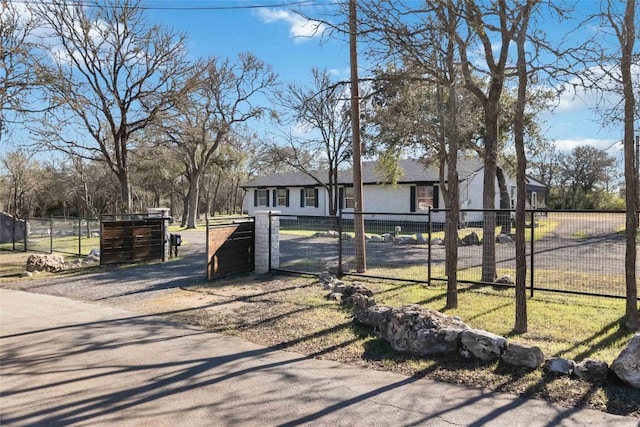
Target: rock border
420,331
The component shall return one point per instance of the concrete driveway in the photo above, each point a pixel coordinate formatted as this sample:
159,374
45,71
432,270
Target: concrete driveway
67,362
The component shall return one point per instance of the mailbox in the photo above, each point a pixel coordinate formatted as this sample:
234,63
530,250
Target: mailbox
175,239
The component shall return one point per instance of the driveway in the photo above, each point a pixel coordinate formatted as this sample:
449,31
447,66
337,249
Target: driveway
68,362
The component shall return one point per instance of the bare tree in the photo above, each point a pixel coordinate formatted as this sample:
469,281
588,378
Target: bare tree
21,171
112,74
322,112
17,75
613,73
223,96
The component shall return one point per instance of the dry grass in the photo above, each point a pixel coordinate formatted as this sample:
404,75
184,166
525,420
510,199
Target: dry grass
292,313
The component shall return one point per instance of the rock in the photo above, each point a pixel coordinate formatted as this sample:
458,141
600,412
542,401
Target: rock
332,233
523,355
95,252
356,288
470,239
45,262
482,344
91,259
335,296
358,302
592,370
387,237
376,239
375,316
346,236
338,287
407,240
26,274
421,331
627,364
325,277
437,241
503,238
558,365
505,280
95,234
420,239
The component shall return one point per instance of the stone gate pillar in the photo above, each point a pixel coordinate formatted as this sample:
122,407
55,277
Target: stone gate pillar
263,237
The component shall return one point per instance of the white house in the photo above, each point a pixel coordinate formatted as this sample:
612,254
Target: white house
296,193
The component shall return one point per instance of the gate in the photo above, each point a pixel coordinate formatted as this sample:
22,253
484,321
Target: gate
131,238
230,247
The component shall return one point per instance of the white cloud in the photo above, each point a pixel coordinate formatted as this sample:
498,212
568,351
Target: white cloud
300,28
603,144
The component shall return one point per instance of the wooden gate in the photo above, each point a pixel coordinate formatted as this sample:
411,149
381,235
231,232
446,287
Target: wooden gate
230,248
131,238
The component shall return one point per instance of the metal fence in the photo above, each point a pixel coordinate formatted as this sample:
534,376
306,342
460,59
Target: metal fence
581,252
75,236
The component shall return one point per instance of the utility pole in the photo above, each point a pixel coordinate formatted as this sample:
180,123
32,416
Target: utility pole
358,220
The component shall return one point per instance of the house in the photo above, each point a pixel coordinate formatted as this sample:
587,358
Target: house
296,193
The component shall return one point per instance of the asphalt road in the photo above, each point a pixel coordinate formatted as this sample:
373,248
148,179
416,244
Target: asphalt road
66,362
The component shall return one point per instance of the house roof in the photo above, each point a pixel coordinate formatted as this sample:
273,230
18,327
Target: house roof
412,171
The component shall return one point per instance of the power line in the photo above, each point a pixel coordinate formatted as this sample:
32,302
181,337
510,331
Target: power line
182,6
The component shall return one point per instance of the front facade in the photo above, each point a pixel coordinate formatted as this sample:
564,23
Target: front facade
417,189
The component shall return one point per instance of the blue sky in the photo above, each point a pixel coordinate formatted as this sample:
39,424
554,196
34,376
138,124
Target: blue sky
286,41
224,28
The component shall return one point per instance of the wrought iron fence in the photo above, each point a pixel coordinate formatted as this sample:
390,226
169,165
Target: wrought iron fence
573,252
75,236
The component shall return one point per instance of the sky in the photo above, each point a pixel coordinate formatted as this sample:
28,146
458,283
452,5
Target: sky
289,43
292,46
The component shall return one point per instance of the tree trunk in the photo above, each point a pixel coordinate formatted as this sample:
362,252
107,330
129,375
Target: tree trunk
489,193
194,195
519,129
632,319
504,218
126,200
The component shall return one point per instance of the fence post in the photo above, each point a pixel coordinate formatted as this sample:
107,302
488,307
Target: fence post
270,215
340,272
429,246
80,237
50,235
267,243
532,250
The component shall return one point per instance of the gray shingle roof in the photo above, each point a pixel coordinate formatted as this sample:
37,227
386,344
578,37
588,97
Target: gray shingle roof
413,171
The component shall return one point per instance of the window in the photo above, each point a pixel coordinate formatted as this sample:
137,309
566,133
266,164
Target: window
261,197
348,197
282,197
309,197
424,197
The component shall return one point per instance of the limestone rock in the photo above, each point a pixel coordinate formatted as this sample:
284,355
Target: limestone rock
375,316
482,344
505,280
407,240
558,365
627,364
421,331
523,355
503,238
592,370
45,262
358,302
470,239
